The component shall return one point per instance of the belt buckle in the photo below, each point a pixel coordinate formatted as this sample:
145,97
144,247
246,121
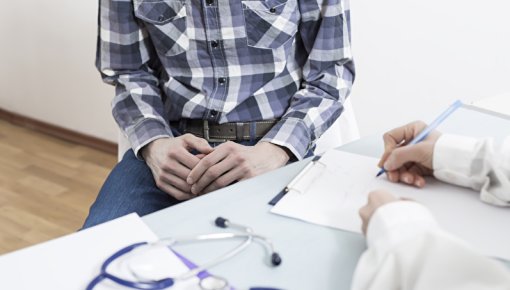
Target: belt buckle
206,134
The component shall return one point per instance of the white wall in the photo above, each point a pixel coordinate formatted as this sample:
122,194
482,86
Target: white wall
47,72
413,58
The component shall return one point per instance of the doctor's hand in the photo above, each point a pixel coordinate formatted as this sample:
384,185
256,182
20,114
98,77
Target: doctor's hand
376,199
171,161
231,162
408,164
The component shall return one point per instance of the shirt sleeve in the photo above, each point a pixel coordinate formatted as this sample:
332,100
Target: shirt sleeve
125,60
408,250
477,164
328,74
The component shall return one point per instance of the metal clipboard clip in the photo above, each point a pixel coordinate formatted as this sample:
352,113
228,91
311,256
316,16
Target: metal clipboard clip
303,180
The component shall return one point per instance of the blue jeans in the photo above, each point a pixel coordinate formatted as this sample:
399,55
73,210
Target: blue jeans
129,188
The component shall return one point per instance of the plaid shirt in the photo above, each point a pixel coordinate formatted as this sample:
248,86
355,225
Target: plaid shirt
226,61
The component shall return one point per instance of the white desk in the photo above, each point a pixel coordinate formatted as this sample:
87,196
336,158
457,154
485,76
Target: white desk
314,257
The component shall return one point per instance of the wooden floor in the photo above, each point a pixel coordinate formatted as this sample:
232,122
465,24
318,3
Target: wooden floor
46,186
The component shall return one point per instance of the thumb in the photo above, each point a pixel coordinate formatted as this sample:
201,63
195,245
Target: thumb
400,156
384,157
199,144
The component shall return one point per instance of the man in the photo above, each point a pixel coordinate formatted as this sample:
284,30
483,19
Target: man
269,75
406,247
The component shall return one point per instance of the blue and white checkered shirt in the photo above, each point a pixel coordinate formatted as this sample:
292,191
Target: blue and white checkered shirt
227,61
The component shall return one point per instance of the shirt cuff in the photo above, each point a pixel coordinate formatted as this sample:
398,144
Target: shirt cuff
453,156
292,134
396,222
145,132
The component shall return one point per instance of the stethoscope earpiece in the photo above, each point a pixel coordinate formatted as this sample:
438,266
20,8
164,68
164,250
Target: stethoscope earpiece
276,260
221,222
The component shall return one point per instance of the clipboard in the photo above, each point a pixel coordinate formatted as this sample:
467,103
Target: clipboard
332,195
297,183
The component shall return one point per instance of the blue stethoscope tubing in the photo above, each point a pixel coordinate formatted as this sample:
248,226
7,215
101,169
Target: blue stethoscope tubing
153,285
169,282
161,284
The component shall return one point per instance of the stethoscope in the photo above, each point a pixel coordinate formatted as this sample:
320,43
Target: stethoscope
207,280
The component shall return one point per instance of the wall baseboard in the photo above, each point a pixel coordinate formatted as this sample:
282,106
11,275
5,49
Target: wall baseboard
59,132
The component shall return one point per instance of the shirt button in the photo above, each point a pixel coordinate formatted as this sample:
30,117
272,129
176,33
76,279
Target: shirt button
209,2
214,113
222,80
272,10
214,44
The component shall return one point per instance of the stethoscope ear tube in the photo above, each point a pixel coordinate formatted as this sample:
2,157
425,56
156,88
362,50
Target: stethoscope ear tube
276,259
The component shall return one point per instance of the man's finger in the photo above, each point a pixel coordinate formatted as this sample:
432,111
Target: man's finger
176,168
213,173
205,163
225,180
174,192
199,144
185,158
176,182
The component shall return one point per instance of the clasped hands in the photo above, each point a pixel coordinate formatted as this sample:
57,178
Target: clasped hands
183,174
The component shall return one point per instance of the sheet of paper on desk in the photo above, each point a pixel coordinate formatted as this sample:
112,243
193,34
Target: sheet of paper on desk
337,187
71,262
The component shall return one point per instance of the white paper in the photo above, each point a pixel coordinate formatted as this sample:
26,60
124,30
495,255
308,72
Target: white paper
71,262
335,197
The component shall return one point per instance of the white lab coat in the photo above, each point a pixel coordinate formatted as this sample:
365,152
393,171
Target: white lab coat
408,250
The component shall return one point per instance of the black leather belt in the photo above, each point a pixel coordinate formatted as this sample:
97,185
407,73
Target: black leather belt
239,131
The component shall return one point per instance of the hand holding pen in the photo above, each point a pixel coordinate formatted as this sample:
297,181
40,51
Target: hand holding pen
408,150
408,164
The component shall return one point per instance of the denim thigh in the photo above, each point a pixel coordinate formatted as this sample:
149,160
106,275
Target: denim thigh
130,187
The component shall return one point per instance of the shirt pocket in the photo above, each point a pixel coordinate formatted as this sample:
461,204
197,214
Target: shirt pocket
165,21
270,23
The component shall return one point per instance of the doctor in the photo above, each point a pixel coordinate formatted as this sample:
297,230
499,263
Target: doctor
406,247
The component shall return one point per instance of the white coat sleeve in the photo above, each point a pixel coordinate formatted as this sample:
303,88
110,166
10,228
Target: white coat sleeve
476,164
408,250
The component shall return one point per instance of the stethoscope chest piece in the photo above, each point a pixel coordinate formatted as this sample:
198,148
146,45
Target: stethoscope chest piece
213,283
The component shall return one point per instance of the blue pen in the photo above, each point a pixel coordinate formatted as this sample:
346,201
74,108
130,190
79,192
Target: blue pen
423,134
